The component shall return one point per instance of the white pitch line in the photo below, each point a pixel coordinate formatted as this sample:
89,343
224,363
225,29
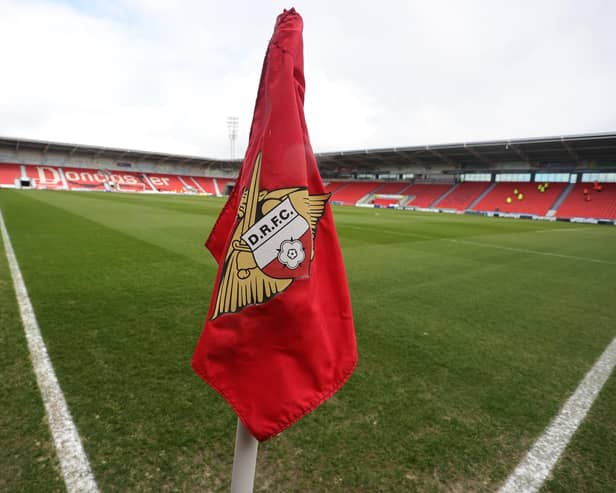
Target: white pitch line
533,470
534,252
391,232
74,463
564,230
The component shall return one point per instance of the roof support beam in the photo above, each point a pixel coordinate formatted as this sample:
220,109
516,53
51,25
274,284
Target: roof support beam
405,158
570,150
418,162
163,160
414,159
124,153
476,154
351,161
443,158
378,158
520,153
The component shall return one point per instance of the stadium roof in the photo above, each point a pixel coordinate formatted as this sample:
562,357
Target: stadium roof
115,153
565,150
561,150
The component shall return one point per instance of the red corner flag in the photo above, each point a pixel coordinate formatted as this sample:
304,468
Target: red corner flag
279,337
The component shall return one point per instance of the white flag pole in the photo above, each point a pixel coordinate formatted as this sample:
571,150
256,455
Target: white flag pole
244,460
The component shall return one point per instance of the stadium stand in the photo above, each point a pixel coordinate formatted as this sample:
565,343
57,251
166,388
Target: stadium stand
353,192
130,182
45,177
425,194
165,182
9,173
57,178
335,185
190,185
462,196
385,202
562,160
594,203
520,197
85,179
206,184
223,184
395,188
73,178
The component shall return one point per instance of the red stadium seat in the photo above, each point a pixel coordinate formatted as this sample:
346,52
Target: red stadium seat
44,176
425,194
223,183
206,184
602,204
9,173
331,187
533,200
394,188
165,182
129,181
352,192
463,196
384,202
85,178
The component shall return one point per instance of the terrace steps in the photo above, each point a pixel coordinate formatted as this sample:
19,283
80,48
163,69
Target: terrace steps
444,196
481,196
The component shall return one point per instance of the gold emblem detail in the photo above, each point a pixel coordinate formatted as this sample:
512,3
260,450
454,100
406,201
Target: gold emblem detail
242,282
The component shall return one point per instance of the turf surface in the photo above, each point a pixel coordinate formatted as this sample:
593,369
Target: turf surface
27,456
472,332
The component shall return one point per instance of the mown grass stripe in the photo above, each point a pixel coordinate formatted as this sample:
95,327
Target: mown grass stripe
74,463
533,252
531,473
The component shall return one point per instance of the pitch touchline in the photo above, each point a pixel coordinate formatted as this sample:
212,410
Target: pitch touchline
76,469
534,252
533,470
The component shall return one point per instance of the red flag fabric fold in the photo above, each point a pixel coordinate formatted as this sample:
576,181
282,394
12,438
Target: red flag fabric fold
279,337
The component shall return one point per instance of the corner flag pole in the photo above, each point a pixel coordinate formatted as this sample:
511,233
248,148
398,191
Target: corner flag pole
244,460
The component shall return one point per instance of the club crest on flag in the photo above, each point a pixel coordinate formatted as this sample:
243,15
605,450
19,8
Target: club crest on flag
272,244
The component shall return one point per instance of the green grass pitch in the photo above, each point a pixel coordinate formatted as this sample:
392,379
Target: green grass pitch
472,332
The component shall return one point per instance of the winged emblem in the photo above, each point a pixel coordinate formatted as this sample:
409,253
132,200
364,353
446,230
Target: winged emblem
271,246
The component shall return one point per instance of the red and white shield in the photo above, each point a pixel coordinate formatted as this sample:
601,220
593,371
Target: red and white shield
280,242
